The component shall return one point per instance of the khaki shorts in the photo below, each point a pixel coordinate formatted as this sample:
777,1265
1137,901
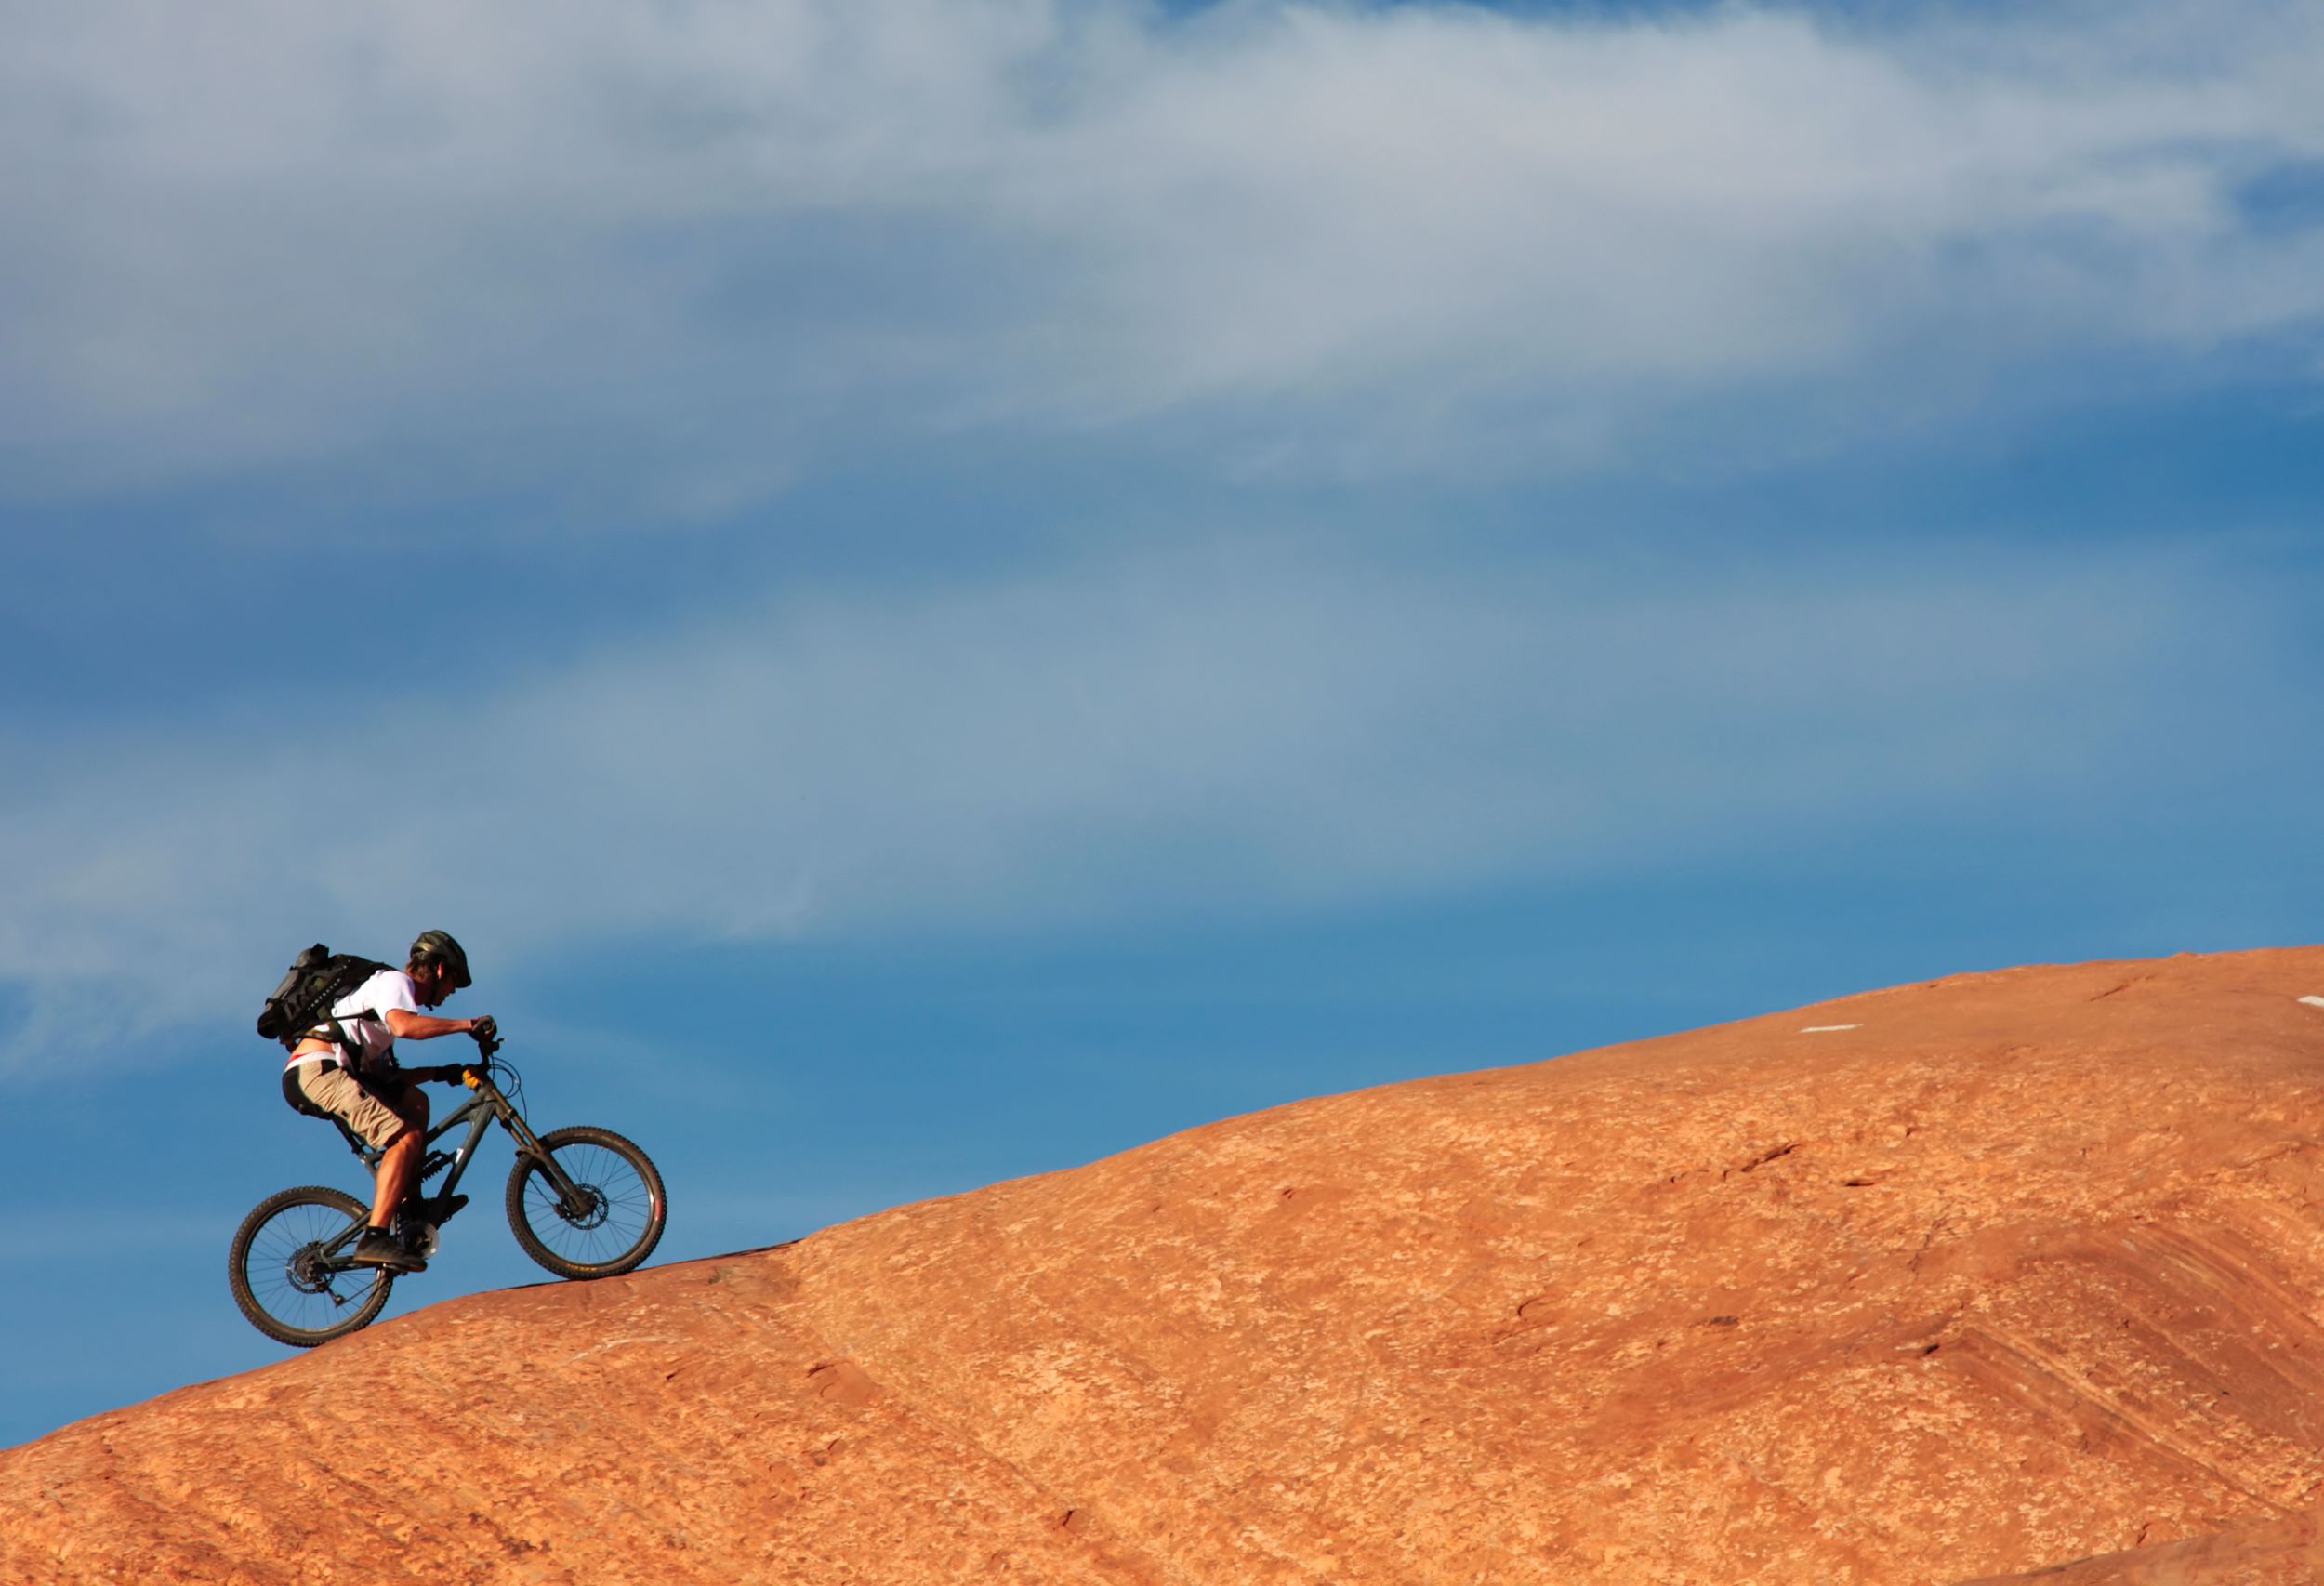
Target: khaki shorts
377,1119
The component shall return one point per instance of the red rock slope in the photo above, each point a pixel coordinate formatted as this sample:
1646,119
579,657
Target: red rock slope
2001,1271
2268,1552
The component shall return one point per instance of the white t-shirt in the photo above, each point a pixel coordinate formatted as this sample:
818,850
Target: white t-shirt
358,1013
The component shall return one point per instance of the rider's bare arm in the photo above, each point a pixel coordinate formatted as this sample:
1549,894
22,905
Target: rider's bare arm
424,1027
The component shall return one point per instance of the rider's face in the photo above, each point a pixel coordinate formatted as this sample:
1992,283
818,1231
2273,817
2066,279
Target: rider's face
434,983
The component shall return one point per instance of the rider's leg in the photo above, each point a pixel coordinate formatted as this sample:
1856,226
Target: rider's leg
400,1158
399,1166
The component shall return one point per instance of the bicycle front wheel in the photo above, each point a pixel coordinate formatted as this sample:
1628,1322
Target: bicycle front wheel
289,1271
609,1222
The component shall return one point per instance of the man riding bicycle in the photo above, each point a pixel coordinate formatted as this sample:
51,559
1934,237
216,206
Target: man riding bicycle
347,1067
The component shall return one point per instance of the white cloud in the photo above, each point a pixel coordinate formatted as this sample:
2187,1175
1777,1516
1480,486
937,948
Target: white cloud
674,254
1235,729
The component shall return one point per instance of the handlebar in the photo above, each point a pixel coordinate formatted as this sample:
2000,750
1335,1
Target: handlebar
488,1037
454,1073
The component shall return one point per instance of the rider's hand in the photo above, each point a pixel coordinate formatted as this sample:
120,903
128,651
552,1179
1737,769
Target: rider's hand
485,1030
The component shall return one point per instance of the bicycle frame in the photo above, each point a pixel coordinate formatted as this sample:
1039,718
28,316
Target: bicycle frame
479,1112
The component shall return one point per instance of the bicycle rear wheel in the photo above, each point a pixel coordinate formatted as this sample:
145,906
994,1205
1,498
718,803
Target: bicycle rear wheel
289,1270
611,1226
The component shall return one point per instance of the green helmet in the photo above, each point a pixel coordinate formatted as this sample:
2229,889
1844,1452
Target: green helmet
435,947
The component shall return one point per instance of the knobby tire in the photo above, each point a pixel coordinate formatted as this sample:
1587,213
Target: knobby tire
281,1282
620,1227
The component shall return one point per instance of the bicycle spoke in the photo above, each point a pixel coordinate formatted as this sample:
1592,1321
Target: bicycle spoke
610,1222
289,1270
620,1206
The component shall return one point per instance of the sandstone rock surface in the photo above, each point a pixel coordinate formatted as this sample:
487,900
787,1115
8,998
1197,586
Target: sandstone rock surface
1957,1280
2270,1553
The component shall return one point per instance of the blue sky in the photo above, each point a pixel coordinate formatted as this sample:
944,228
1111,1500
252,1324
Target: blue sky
939,591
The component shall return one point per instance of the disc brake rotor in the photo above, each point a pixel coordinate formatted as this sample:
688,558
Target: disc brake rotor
594,1215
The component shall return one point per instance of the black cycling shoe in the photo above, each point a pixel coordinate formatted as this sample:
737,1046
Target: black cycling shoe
379,1248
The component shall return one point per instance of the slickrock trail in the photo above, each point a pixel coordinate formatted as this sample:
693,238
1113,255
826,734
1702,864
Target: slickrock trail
1957,1280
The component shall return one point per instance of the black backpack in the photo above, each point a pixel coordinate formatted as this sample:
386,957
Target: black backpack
318,978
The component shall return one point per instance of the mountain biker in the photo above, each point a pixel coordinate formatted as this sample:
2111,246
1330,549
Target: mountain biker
361,1084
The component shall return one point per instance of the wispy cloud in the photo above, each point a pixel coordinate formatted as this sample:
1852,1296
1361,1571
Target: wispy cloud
1254,727
672,255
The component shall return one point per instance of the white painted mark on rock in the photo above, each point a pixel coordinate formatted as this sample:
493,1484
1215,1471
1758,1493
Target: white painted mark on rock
1827,1029
2314,1002
616,1343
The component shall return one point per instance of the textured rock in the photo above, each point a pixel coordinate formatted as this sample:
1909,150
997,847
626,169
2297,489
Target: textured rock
2001,1271
2272,1552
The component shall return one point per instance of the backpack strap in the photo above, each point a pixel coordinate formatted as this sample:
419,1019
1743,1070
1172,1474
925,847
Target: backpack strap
357,1062
339,1037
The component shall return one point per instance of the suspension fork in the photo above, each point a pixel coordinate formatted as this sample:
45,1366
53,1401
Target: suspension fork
571,1199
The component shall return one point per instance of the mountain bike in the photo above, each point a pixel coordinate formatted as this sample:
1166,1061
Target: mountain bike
583,1202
